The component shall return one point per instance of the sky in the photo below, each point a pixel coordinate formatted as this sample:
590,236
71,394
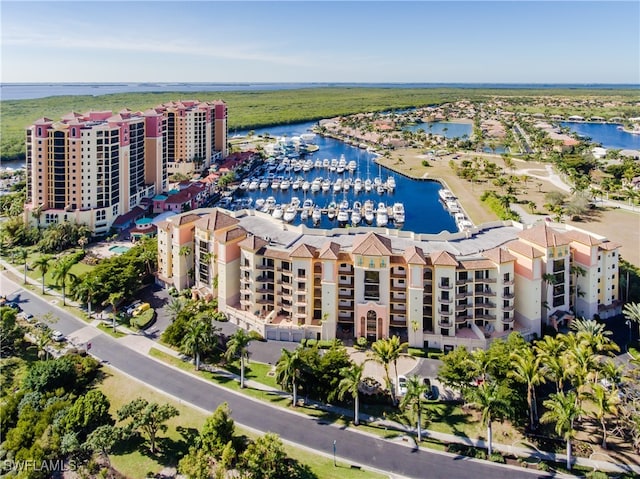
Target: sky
328,41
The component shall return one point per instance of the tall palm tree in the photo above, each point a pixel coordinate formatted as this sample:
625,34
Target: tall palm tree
197,339
563,410
492,401
550,349
43,262
238,345
62,274
42,341
631,311
606,402
85,290
288,369
350,384
594,335
382,354
23,254
412,401
113,300
526,370
175,307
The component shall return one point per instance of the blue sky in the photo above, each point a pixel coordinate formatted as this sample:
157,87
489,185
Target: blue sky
329,41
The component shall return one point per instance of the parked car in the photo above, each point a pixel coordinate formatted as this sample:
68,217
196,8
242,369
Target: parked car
402,385
432,392
140,309
13,305
57,336
129,309
28,317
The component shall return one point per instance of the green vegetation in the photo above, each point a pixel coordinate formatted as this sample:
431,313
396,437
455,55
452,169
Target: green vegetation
263,108
143,320
500,205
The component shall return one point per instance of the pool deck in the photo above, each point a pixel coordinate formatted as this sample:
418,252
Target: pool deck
101,249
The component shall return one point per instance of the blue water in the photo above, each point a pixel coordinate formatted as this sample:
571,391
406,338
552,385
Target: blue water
444,128
607,134
22,91
424,213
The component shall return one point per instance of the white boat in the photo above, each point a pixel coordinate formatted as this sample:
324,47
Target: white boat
380,189
306,167
290,213
337,186
275,184
446,195
369,214
326,163
307,204
316,185
253,185
296,184
346,184
382,216
465,225
295,201
316,215
398,213
259,203
452,206
368,185
326,185
296,166
391,183
264,184
377,181
244,185
343,215
331,210
356,215
278,212
268,204
334,165
357,185
318,163
306,185
286,183
304,215
351,166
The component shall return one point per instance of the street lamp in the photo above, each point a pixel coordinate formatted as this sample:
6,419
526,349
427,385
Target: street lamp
628,323
334,454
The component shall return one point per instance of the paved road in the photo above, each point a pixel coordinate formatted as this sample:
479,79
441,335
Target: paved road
351,446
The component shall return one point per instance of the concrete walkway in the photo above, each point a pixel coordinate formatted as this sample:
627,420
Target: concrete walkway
142,344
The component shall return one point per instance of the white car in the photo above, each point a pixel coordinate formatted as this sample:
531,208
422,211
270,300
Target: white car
57,336
402,386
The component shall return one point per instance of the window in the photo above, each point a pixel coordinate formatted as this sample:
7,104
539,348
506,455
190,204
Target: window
372,285
444,282
506,277
445,295
302,272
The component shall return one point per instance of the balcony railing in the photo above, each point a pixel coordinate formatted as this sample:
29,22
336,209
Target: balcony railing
508,320
508,282
485,280
445,286
486,292
441,311
399,287
462,307
489,317
265,279
445,300
445,324
460,282
462,319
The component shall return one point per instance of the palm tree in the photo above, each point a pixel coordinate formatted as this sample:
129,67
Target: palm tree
23,254
526,370
85,291
550,349
113,300
350,384
42,263
563,409
238,345
62,273
175,307
197,339
606,402
492,401
631,311
382,354
42,340
412,401
288,370
593,335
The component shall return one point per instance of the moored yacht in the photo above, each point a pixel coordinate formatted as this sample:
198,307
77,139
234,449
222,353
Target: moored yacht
391,183
316,216
356,213
369,214
290,213
253,185
398,213
382,216
357,185
326,185
278,212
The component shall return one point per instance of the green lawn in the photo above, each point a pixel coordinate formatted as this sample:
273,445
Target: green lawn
121,389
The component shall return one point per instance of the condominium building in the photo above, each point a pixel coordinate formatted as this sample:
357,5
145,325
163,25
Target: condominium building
92,168
446,290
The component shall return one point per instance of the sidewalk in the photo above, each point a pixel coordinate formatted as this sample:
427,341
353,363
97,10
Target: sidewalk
143,344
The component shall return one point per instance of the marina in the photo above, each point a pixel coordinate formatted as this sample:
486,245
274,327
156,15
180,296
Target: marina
338,185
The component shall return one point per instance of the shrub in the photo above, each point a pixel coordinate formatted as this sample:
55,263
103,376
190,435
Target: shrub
417,352
435,355
303,342
145,319
543,466
497,457
220,317
361,343
311,343
425,163
597,475
480,454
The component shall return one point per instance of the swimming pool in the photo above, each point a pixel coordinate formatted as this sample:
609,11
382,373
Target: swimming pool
119,249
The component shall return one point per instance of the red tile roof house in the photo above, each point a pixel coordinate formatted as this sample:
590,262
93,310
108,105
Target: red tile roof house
235,160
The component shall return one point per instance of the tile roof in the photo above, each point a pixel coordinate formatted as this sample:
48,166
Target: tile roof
303,251
372,244
609,245
414,255
275,253
216,220
477,264
524,249
499,255
330,250
581,237
184,219
443,258
230,235
252,243
543,235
